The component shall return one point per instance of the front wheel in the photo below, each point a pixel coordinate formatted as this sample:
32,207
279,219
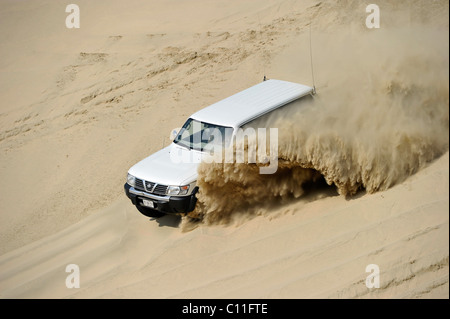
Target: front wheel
149,212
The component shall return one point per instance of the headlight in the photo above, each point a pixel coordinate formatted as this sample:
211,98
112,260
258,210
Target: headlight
131,180
177,190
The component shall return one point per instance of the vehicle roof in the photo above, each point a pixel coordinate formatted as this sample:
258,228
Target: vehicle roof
252,103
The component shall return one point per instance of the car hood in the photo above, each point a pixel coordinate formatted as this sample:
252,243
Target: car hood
173,165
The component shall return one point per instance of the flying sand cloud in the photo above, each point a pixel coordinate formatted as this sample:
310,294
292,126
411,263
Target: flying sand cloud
383,116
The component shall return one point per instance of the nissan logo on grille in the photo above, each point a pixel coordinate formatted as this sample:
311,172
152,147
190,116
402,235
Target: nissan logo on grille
150,186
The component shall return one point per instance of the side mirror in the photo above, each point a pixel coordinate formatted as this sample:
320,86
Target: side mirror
174,134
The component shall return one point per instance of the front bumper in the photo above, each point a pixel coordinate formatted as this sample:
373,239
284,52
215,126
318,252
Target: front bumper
165,204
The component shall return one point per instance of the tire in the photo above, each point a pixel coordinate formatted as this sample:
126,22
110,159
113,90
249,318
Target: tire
149,212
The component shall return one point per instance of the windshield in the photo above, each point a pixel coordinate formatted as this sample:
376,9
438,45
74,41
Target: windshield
203,136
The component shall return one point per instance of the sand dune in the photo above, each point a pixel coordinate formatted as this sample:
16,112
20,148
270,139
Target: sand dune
307,249
79,107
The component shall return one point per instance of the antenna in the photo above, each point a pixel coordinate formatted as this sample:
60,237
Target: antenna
310,55
260,37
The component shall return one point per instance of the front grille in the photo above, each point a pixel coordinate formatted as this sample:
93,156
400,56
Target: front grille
138,184
160,189
150,187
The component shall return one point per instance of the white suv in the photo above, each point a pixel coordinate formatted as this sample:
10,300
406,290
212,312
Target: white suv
162,183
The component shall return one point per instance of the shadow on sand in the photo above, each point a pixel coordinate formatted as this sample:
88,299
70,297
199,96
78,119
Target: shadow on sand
167,221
